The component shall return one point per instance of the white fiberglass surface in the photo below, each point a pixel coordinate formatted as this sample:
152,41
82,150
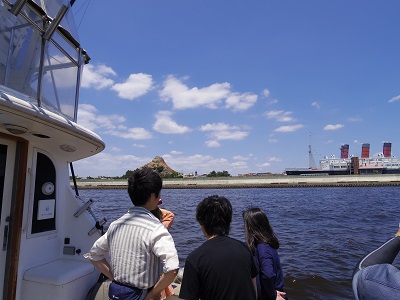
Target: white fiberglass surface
7,158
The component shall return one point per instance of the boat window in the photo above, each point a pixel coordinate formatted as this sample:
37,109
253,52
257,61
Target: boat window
59,79
32,65
44,203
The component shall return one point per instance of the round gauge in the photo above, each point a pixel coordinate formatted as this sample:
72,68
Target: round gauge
48,188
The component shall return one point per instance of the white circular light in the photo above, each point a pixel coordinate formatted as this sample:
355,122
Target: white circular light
67,148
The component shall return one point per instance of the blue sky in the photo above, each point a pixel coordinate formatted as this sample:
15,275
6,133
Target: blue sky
237,85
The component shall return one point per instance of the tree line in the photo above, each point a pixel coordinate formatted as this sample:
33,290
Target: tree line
159,170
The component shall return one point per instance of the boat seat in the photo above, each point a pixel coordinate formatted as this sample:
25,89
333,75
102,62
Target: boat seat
59,272
59,279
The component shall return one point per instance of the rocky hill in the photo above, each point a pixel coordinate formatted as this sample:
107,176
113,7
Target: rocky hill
159,165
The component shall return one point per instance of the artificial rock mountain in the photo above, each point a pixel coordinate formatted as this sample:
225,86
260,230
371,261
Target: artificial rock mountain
158,164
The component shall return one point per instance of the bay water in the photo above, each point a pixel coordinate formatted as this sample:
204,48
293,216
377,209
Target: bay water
323,232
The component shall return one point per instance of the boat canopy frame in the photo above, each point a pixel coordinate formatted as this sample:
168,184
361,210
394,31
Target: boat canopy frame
58,98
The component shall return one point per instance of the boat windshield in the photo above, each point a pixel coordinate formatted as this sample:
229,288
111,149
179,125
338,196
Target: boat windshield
40,56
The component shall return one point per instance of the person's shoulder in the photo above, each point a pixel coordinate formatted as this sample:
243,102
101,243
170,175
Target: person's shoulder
236,242
233,243
199,251
266,249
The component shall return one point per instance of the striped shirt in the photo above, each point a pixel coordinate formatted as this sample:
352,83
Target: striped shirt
140,249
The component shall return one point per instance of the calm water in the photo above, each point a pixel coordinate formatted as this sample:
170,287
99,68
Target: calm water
323,231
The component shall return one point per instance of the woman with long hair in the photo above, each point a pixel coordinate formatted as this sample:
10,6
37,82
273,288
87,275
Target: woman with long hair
264,244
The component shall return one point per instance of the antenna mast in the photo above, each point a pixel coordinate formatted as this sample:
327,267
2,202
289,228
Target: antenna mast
311,162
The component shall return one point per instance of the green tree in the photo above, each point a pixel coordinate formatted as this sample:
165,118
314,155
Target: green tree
219,174
212,174
127,174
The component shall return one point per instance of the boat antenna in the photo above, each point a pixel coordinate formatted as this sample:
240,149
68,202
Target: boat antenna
74,179
86,3
311,162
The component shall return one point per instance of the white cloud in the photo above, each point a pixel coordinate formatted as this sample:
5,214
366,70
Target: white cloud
222,131
131,133
97,77
266,93
229,135
165,124
239,157
239,165
89,117
139,146
197,163
217,127
394,99
273,141
333,126
265,165
183,98
108,164
213,144
289,128
116,149
354,119
276,159
241,102
280,115
272,101
174,152
135,86
316,105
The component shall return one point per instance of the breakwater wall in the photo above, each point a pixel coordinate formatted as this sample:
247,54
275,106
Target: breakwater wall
272,181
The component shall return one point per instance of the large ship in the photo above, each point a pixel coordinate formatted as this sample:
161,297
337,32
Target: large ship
383,163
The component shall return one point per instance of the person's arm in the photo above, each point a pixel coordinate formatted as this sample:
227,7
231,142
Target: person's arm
97,254
167,218
255,286
164,249
104,267
384,254
280,295
165,280
267,273
190,286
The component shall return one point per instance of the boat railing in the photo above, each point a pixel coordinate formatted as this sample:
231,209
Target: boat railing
86,206
43,60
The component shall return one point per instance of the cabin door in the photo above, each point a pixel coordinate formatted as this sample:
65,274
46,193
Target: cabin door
7,163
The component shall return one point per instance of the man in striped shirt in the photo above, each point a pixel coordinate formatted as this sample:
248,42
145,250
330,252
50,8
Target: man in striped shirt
139,246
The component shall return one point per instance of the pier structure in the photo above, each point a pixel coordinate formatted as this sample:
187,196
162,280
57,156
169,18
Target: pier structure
270,181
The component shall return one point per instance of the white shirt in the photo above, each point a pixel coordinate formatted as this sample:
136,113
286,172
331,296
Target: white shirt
140,249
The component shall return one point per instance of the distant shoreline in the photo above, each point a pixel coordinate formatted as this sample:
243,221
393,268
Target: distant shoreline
270,181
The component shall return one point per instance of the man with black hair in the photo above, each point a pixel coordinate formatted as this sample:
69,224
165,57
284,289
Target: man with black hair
222,267
140,247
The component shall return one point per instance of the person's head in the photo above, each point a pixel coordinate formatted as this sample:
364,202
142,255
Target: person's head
258,229
214,214
142,184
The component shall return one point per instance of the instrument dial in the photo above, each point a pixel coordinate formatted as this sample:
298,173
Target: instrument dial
48,188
